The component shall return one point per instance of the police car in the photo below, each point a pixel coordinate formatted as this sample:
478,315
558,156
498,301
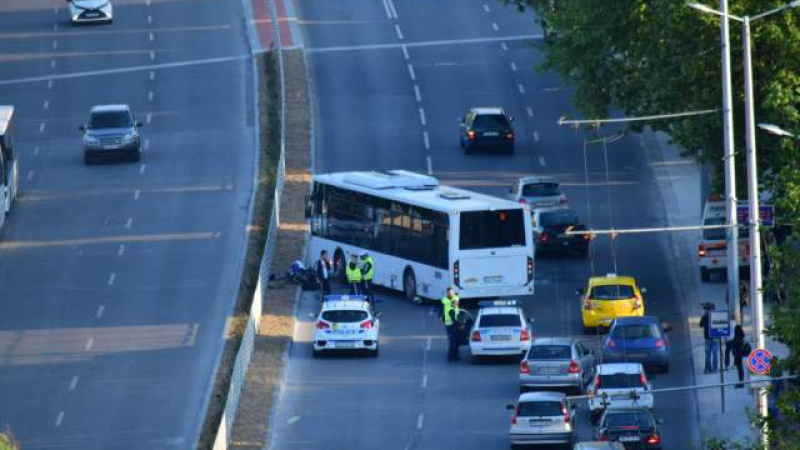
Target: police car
500,329
346,322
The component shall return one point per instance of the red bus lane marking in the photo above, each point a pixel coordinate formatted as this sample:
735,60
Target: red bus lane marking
283,23
263,23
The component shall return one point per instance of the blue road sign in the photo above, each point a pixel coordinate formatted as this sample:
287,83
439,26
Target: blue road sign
720,324
766,214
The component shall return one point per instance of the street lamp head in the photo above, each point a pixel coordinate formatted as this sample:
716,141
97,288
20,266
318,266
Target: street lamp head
794,4
774,129
705,8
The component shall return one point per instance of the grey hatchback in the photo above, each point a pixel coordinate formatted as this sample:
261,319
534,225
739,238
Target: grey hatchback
557,362
111,132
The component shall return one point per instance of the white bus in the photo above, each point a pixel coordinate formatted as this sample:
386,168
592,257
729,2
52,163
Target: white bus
9,169
423,237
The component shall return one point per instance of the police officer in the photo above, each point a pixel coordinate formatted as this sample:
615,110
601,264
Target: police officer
353,274
367,273
449,316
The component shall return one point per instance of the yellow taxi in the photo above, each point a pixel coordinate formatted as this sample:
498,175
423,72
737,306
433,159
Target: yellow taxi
609,297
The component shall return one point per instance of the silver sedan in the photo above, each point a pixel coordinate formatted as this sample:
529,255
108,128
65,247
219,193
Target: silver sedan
558,362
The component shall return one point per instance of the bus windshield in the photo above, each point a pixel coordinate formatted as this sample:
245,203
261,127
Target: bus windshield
492,229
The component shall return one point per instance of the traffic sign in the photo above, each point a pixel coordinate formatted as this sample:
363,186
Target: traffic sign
759,361
719,324
766,214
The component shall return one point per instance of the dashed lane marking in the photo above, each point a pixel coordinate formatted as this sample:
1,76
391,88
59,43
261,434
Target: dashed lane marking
30,175
293,420
46,104
136,194
152,55
73,383
486,8
129,222
427,140
422,116
529,110
36,151
429,163
398,31
55,45
89,344
121,250
50,84
513,66
521,88
152,37
424,381
100,310
391,12
149,19
152,75
417,94
59,418
405,53
536,136
411,72
146,146
52,63
41,127
420,420
150,96
495,27
442,42
504,46
428,345
141,169
148,118
111,279
543,164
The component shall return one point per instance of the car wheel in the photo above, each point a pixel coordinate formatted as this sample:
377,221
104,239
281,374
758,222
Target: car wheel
88,160
375,353
474,359
315,353
664,368
584,253
705,274
461,141
590,331
136,156
409,284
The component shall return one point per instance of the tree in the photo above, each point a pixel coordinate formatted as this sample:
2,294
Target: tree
7,441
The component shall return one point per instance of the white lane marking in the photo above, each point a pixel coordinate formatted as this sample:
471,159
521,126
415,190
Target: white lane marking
152,75
147,2
111,279
129,222
152,37
442,42
141,169
427,140
152,55
429,163
36,151
542,162
55,45
136,194
513,66
55,9
420,420
149,19
74,383
148,118
392,9
529,110
89,344
59,418
405,53
386,8
495,26
424,380
121,250
486,8
150,96
50,84
55,26
398,31
521,88
100,310
428,345
293,420
30,175
417,94
504,46
536,136
146,146
46,104
422,116
52,63
41,127
411,72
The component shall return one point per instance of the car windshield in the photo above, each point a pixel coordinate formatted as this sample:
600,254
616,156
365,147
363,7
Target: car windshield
492,229
620,380
541,190
490,122
718,234
612,292
345,315
628,419
558,219
636,331
499,320
534,409
550,352
111,119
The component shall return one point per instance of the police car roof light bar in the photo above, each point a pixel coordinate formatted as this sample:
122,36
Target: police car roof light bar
496,303
336,298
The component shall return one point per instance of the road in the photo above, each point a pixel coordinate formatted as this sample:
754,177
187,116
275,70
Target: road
117,279
390,80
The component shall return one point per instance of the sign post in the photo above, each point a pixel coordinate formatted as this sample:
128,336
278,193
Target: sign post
719,327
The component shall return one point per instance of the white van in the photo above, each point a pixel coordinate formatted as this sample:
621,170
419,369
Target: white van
712,248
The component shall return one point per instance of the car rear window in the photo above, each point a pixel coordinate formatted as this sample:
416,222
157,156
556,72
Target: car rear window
490,122
541,190
111,119
344,315
612,292
550,352
499,320
558,219
534,409
620,380
492,229
627,419
636,331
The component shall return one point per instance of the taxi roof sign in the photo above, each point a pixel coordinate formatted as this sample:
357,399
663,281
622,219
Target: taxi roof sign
496,303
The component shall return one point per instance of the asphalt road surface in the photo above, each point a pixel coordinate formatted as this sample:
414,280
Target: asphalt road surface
117,278
389,90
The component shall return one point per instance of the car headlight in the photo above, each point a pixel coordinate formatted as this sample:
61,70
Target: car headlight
128,138
90,139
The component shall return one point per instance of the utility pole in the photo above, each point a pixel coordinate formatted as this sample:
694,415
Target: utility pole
730,168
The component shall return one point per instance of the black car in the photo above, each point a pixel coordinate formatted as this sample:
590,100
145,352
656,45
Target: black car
550,228
487,129
636,429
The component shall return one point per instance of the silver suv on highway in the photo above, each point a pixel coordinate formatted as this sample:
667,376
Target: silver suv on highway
111,132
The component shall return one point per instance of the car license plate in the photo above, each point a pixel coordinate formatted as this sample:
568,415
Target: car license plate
494,279
629,438
92,14
491,133
500,337
637,355
621,397
548,370
539,422
109,147
345,344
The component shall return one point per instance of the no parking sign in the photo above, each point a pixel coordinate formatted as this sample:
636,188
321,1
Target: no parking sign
759,361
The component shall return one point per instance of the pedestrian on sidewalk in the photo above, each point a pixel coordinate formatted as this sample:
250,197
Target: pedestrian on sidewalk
736,347
324,269
711,343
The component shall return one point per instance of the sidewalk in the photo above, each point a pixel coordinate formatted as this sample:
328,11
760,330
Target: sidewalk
679,181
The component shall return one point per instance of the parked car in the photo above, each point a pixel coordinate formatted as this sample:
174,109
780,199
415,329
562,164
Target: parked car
635,429
550,227
557,362
346,322
619,385
487,128
538,192
541,418
638,339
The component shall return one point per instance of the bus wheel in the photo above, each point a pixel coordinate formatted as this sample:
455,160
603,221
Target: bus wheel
409,284
338,265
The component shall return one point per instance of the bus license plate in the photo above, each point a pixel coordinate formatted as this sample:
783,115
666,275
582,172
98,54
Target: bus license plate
497,279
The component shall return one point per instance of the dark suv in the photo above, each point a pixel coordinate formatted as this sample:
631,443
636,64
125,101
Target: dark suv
487,129
550,227
111,132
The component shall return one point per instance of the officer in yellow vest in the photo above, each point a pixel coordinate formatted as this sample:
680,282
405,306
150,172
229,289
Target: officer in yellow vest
449,315
367,273
353,273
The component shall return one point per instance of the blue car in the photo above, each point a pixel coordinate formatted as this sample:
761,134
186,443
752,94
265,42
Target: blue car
637,339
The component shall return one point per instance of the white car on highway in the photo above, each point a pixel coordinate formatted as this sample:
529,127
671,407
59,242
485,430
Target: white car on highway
541,418
619,385
90,11
346,322
500,329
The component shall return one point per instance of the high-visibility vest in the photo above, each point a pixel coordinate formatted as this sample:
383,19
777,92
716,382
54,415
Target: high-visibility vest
447,306
369,265
353,273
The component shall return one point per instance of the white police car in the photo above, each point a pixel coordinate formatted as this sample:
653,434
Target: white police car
500,329
346,322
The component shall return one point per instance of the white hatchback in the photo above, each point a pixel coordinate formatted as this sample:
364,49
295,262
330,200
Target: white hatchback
500,329
90,11
346,322
541,418
619,385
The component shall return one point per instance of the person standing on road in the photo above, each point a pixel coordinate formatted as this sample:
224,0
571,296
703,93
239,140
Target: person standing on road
712,344
736,346
449,318
323,270
353,274
367,273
